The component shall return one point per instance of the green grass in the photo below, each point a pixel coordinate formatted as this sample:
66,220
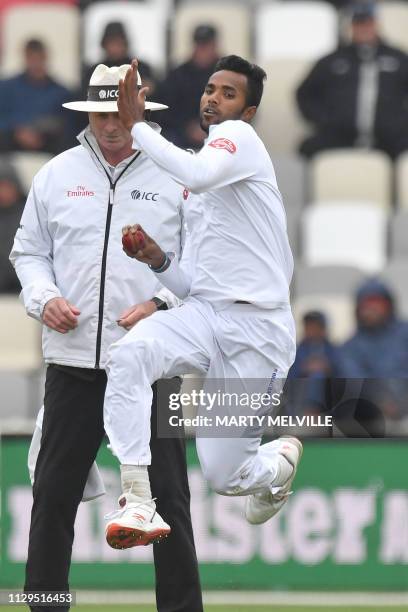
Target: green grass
225,608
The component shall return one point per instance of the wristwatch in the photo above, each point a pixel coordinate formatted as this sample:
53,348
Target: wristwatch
160,304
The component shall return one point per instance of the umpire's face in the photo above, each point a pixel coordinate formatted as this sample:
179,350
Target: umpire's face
225,97
110,133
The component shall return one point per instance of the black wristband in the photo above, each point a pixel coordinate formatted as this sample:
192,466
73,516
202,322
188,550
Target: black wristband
166,264
160,304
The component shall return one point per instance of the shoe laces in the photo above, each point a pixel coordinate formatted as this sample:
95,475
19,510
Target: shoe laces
281,495
120,511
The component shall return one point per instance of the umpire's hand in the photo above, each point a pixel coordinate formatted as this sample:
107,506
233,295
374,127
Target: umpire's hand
60,315
136,313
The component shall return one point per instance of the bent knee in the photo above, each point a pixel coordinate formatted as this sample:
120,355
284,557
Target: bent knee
141,354
222,482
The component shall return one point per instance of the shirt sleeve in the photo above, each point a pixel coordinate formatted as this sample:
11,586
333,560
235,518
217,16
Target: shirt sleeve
175,278
31,256
229,155
179,279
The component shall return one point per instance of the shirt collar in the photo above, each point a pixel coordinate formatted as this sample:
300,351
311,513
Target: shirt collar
86,136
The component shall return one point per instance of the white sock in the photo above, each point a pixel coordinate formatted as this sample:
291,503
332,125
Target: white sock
135,480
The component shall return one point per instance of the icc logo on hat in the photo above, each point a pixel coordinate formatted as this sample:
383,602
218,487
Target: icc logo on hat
103,91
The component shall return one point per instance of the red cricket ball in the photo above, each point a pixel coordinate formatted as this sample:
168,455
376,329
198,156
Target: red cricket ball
133,242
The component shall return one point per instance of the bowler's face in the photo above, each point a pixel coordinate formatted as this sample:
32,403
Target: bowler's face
109,132
224,97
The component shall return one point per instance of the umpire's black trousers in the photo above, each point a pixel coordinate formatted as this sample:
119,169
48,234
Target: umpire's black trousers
72,433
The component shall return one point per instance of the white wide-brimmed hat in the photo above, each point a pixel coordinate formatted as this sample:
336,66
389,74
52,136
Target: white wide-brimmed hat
103,91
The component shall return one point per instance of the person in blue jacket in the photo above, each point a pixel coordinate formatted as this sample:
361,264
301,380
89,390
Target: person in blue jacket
31,117
378,350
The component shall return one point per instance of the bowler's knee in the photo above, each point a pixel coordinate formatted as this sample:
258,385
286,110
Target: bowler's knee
134,356
223,482
142,360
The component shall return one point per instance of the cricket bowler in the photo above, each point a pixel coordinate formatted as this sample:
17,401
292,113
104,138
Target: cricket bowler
235,324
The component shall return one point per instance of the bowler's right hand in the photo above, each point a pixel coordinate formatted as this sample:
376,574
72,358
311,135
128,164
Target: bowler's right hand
139,245
60,315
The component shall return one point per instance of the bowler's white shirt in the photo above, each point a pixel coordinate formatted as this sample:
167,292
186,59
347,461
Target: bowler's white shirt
238,244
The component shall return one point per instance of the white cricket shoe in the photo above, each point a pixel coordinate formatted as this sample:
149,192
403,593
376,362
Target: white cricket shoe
262,506
136,523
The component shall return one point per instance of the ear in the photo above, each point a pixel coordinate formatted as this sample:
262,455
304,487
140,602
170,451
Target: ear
249,113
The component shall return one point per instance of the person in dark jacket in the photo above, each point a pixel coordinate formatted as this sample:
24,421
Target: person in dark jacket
316,356
31,117
378,350
183,87
316,361
115,45
358,95
12,199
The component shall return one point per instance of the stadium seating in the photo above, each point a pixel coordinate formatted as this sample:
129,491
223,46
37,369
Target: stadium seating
295,30
352,174
394,23
345,233
278,121
291,176
20,365
399,235
293,234
19,337
395,274
339,310
57,25
27,165
331,280
402,181
146,24
231,19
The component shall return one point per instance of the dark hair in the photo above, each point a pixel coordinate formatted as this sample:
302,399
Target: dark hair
204,34
34,44
315,316
255,76
114,29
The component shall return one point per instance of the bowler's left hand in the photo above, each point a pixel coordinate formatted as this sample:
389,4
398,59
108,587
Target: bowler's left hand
131,101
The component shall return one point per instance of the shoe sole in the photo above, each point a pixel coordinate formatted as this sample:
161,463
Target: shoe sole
120,537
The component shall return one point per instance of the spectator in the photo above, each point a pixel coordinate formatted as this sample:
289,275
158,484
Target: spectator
31,117
12,201
183,88
317,360
358,95
316,357
378,350
115,44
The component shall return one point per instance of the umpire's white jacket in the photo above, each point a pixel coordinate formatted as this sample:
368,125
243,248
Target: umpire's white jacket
69,244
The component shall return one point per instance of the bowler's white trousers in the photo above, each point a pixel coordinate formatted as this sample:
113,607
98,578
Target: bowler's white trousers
242,342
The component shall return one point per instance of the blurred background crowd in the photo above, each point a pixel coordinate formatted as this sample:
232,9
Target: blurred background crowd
334,119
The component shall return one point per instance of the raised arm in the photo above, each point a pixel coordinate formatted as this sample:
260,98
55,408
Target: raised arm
227,157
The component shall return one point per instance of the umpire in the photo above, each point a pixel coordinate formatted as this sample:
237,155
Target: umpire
79,283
